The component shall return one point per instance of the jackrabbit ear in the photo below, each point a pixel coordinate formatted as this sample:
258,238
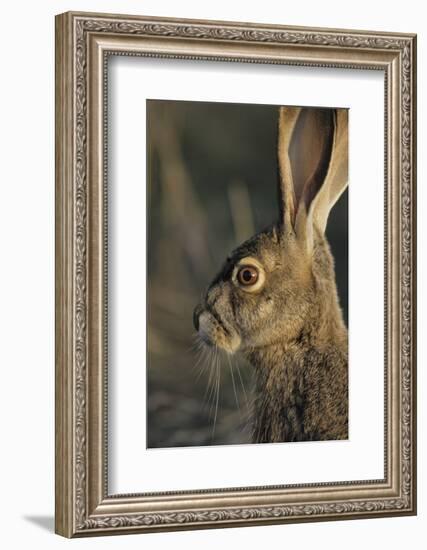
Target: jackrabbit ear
336,179
313,165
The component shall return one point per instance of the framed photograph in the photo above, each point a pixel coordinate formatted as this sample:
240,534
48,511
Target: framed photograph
235,274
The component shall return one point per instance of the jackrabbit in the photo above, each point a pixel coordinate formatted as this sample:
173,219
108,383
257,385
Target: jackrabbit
275,299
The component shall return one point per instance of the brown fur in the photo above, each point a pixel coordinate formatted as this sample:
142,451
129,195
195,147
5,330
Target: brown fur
291,328
302,380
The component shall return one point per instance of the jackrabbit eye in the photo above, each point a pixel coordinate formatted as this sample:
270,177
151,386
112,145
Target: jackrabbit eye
247,275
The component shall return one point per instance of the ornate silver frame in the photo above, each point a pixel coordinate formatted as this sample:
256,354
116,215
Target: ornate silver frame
83,42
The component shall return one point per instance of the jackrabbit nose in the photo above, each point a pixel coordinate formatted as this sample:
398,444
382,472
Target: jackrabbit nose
196,314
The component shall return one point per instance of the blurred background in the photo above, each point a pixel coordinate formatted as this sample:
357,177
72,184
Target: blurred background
212,183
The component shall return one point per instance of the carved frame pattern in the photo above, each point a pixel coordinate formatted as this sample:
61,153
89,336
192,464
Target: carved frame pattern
83,506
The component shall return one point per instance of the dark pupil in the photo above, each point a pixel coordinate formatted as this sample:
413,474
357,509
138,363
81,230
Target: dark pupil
247,275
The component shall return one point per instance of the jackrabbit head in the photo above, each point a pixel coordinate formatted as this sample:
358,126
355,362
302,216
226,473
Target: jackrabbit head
271,286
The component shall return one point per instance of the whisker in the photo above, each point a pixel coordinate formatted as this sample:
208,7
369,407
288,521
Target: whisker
233,382
209,386
242,384
199,350
197,342
201,362
214,382
213,375
217,397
